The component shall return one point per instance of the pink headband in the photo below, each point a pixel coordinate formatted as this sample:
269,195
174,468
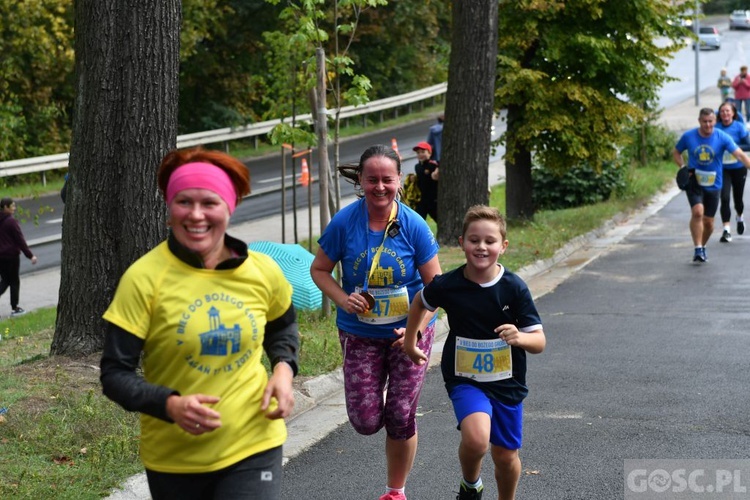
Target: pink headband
202,176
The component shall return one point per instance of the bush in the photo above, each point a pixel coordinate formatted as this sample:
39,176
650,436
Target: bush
581,185
659,144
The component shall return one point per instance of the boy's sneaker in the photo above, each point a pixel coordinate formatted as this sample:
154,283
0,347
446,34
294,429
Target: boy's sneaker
17,312
393,495
700,255
740,227
726,236
466,493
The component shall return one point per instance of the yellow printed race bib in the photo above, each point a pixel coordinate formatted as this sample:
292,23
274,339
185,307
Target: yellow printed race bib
728,158
483,360
705,178
391,305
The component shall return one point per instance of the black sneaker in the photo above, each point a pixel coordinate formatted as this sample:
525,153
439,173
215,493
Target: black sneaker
726,237
466,493
17,312
740,227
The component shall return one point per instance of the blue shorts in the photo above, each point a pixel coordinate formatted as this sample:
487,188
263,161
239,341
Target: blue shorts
506,421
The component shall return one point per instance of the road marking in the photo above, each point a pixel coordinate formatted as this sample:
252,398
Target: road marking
54,221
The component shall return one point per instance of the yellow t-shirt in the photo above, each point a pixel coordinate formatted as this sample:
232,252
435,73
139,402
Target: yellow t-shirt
203,331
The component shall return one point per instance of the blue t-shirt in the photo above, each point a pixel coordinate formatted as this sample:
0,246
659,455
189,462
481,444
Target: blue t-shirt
737,131
705,155
349,240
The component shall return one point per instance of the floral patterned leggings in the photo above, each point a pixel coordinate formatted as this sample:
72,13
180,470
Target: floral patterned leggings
372,366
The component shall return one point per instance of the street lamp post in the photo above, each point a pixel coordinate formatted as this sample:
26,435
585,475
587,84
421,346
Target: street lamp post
697,46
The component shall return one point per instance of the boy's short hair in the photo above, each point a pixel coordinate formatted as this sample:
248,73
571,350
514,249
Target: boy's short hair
483,212
5,202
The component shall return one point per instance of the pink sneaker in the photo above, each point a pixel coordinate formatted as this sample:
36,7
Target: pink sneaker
393,495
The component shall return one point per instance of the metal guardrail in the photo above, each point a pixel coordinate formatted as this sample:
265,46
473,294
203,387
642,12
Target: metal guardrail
52,162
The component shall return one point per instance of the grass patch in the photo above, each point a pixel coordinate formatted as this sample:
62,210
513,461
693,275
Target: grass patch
61,438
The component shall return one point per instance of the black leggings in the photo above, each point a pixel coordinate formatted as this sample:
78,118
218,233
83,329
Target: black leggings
734,180
9,278
256,477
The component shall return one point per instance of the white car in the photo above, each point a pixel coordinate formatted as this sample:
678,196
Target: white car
739,20
709,38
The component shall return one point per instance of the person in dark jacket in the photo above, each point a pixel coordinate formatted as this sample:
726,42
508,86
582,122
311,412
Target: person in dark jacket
427,180
12,243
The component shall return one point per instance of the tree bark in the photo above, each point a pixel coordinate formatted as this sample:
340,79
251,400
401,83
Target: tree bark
464,162
519,191
125,120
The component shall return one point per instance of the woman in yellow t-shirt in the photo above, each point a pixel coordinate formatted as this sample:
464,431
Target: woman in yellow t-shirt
200,310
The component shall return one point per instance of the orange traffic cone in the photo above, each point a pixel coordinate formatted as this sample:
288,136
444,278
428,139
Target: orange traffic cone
394,145
304,178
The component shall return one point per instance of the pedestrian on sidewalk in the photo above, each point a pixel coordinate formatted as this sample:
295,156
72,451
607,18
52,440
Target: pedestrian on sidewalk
387,253
733,172
493,324
12,243
741,86
725,86
705,148
203,309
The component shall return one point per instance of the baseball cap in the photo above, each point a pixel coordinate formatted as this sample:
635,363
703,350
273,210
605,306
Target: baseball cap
423,145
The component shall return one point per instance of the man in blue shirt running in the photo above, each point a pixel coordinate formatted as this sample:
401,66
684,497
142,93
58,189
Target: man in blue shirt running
705,148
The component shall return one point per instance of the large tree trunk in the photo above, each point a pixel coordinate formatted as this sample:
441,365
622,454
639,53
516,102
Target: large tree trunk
519,186
464,161
127,68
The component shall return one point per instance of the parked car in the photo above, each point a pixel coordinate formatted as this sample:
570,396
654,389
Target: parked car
739,20
709,38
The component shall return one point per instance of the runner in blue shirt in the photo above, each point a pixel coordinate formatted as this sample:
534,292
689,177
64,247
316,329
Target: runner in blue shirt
734,172
705,148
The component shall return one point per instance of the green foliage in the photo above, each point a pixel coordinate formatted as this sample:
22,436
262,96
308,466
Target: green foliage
651,140
578,186
578,90
36,90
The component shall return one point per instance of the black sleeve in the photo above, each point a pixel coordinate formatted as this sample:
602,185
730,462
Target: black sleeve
120,380
281,340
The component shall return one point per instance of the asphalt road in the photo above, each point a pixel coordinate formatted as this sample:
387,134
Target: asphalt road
646,359
41,218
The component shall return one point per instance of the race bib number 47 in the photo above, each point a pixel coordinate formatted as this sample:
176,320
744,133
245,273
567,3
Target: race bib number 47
483,360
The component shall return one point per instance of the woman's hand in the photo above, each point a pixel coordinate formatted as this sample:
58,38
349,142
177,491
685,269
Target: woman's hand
280,387
191,413
356,304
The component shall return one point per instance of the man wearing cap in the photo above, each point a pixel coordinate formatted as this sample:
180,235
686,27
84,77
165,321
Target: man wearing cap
427,181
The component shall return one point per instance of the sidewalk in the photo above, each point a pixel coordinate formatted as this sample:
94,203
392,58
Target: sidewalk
320,407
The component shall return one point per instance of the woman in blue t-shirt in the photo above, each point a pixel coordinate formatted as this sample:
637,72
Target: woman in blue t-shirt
734,172
387,254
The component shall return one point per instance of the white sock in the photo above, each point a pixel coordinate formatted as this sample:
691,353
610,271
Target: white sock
473,485
400,490
726,227
740,219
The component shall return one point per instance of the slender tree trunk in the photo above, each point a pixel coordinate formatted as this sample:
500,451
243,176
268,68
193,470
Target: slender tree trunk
324,167
127,67
464,162
519,185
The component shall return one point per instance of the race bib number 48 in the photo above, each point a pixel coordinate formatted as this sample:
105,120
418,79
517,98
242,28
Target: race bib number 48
483,360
